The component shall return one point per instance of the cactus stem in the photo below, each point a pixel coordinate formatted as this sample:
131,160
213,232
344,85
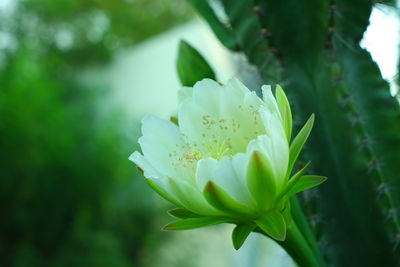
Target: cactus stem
314,220
265,33
365,142
309,195
391,214
332,10
396,241
382,189
345,101
384,196
258,10
373,165
356,119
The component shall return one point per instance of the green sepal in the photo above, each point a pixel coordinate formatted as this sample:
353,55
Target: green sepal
292,181
284,109
189,196
182,213
273,224
298,143
192,223
260,179
221,200
306,182
191,66
287,213
161,192
240,234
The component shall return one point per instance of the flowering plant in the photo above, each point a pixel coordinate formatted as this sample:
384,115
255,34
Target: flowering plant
228,158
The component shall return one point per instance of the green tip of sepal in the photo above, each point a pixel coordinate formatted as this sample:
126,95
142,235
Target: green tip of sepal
273,224
182,213
174,120
284,110
193,223
140,170
221,200
161,192
306,182
297,145
191,65
240,234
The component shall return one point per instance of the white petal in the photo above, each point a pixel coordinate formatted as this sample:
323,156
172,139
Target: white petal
236,87
218,113
205,171
151,173
144,164
162,144
229,174
184,93
269,99
272,122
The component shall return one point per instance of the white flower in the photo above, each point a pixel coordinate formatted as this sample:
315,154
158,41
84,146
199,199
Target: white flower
228,160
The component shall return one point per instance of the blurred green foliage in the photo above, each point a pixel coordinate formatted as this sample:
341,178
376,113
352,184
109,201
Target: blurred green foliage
68,194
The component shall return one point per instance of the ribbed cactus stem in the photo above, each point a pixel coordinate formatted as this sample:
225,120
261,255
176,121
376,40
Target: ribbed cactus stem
312,49
373,164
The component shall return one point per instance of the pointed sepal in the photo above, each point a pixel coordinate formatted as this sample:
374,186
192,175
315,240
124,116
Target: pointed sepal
260,179
182,213
298,142
292,181
306,182
161,192
221,200
192,223
240,234
273,224
284,110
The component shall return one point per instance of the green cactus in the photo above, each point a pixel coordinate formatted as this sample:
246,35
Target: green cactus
312,48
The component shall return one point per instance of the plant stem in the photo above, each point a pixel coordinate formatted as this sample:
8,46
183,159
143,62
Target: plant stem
296,245
304,228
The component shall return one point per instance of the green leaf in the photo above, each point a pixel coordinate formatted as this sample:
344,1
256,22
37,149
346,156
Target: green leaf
219,199
284,109
298,142
182,213
161,192
306,182
260,179
273,224
192,223
191,66
240,234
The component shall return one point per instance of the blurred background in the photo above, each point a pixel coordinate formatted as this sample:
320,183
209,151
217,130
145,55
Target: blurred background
76,77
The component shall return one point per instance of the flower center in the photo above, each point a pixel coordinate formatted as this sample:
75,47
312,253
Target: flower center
220,137
215,148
